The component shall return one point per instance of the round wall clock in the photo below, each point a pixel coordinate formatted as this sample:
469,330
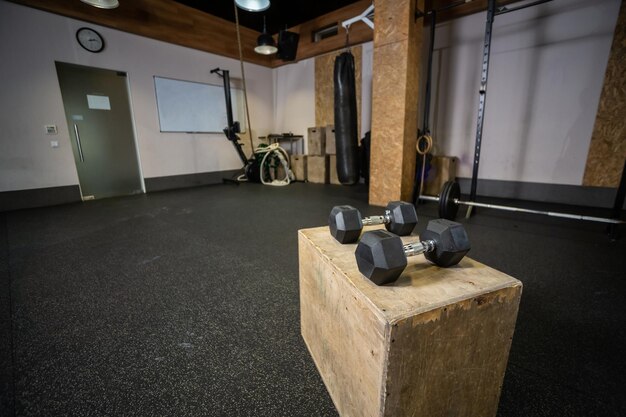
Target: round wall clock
90,39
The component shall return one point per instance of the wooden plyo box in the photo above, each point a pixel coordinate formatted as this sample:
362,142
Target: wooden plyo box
298,166
332,167
317,169
331,147
316,141
434,343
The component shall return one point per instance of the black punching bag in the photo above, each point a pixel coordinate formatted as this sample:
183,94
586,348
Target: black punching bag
346,134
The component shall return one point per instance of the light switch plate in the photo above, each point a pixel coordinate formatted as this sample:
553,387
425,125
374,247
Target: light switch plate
51,129
54,143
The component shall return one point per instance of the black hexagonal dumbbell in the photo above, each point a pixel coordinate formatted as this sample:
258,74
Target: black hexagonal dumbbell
382,257
345,222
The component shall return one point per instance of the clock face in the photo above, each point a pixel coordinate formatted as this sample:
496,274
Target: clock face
90,39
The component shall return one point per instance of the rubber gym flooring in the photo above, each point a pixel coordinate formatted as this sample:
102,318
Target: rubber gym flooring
185,303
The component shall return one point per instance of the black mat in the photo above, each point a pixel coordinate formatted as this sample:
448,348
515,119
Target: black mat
185,303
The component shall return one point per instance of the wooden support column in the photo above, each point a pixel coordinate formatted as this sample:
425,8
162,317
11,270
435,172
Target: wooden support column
397,46
607,150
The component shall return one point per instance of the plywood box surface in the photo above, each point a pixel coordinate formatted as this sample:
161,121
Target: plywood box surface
298,166
317,169
316,142
329,135
434,343
333,178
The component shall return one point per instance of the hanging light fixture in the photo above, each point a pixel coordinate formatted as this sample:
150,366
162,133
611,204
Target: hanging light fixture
102,4
265,43
253,5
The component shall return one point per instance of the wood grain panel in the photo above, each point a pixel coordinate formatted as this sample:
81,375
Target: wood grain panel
359,32
452,360
168,21
317,169
422,287
345,339
325,87
433,343
393,18
395,89
461,9
164,20
607,150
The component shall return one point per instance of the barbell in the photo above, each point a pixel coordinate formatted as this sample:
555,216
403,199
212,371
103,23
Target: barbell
450,199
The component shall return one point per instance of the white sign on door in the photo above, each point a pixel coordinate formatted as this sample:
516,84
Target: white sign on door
98,102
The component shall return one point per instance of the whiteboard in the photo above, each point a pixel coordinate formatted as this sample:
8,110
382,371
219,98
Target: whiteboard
187,106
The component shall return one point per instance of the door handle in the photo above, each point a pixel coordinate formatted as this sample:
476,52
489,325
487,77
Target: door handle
80,148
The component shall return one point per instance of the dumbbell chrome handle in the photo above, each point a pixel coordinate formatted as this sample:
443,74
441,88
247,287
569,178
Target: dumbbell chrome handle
417,248
372,220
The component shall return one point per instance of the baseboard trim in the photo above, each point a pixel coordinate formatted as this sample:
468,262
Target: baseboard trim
39,197
188,180
577,195
530,191
53,196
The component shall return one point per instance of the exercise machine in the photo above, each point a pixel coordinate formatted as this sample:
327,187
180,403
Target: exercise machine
250,165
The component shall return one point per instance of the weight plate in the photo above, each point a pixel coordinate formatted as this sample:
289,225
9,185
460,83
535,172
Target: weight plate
448,208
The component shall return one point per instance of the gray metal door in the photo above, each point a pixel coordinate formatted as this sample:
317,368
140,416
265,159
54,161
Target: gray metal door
99,117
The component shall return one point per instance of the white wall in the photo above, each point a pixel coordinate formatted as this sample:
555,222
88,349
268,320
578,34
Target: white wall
546,74
294,98
30,42
547,70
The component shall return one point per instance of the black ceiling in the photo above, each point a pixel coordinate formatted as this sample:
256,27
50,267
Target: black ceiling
280,14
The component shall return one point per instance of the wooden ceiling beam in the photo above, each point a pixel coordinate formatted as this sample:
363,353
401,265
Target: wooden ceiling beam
163,20
460,8
172,22
307,48
360,32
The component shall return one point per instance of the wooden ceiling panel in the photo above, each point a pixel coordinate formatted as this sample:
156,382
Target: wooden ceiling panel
307,48
164,20
173,22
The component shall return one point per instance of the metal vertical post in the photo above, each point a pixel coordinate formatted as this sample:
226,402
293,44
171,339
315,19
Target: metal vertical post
491,8
429,72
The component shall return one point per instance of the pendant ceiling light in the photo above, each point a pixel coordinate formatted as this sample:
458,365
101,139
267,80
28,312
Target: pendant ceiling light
265,43
253,5
102,4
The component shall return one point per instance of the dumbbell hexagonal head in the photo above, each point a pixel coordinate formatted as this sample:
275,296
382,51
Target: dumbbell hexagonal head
403,218
345,223
380,256
451,242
